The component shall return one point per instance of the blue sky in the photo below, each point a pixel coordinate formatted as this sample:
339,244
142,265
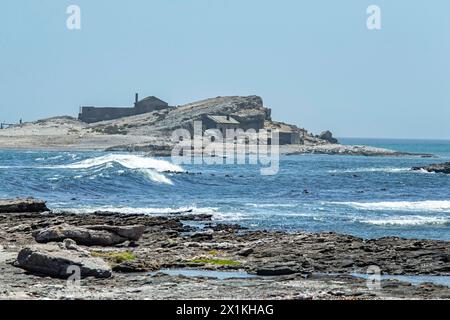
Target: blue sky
314,62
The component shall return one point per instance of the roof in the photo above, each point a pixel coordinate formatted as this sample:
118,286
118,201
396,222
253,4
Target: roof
152,98
223,119
281,127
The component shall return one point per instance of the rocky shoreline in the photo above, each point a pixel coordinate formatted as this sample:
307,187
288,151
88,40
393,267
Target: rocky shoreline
120,251
435,168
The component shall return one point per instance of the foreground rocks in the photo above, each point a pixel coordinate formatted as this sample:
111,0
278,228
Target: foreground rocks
285,265
54,261
101,235
22,205
437,168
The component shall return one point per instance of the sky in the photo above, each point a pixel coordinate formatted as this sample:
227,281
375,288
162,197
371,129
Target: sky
314,63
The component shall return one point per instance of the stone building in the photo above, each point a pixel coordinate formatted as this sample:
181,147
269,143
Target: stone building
90,114
289,137
287,134
221,123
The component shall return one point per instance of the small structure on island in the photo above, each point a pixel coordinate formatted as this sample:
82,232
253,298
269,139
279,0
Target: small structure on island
91,114
222,123
287,134
289,137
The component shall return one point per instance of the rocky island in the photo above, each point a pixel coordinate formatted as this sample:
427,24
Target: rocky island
151,131
134,256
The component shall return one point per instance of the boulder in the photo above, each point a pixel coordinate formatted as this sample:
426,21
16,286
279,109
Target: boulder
275,271
328,136
54,261
90,235
437,168
133,233
29,205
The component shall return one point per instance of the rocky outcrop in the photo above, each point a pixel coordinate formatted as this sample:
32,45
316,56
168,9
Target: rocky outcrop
57,262
101,235
339,149
328,136
28,205
169,243
437,168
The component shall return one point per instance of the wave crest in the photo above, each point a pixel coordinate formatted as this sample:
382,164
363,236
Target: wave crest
407,221
428,205
149,167
127,161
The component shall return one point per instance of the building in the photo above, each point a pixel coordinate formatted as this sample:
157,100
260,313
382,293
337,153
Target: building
289,137
287,134
149,104
221,123
90,114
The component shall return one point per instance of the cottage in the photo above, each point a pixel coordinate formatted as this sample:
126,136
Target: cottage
221,123
149,104
95,114
287,134
289,137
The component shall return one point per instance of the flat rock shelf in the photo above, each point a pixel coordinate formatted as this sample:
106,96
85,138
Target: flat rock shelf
279,265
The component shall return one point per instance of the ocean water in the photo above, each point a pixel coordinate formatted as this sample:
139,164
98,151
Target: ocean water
369,197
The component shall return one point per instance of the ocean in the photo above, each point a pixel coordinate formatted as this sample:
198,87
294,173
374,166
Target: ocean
368,197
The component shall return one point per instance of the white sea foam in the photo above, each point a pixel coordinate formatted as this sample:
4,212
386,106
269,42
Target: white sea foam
407,221
217,215
371,169
271,205
143,211
127,160
149,167
421,206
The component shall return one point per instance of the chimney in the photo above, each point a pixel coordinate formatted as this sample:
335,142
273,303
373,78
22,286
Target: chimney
228,117
136,98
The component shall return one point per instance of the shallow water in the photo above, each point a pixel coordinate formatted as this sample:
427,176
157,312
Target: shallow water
221,275
368,197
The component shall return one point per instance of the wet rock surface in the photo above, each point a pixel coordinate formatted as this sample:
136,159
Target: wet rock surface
100,235
286,263
22,205
54,261
437,168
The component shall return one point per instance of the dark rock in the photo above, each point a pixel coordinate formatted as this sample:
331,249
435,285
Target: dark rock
23,206
202,236
275,271
133,233
245,252
133,267
437,168
328,136
51,260
101,235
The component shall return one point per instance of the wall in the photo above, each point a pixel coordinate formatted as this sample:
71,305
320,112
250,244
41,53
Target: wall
289,138
93,114
145,106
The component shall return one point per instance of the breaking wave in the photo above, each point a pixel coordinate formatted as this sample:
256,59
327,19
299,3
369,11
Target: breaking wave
408,221
149,167
143,211
128,161
271,205
375,169
428,206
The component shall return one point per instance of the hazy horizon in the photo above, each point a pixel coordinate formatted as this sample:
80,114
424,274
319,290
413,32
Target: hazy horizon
315,64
